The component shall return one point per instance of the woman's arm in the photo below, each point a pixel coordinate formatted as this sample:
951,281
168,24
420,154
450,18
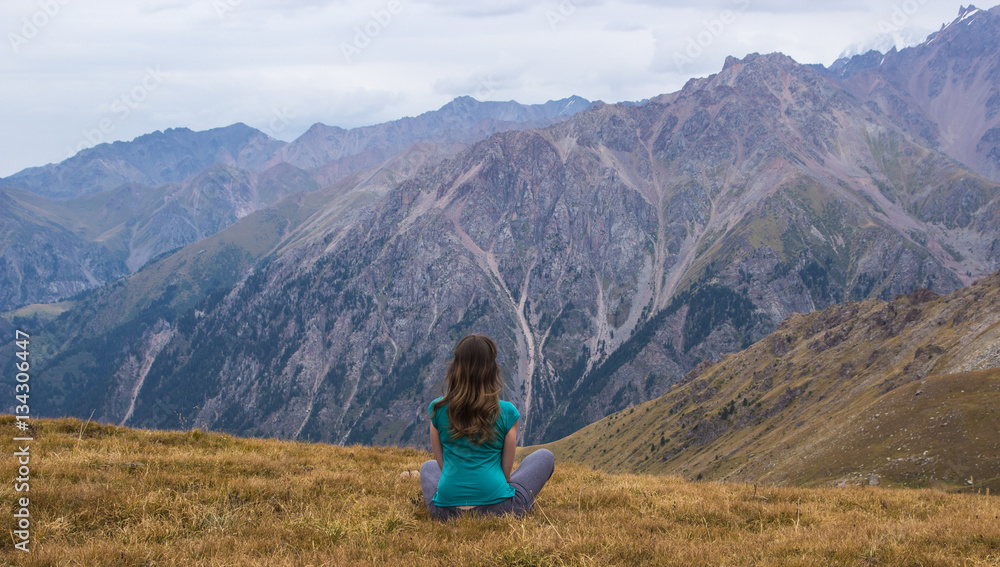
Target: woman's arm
436,447
509,445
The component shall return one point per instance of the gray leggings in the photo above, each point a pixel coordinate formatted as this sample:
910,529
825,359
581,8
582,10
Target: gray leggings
529,478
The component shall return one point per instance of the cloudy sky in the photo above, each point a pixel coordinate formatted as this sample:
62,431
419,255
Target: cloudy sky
78,72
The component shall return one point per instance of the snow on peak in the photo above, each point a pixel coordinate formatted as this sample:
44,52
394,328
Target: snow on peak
968,13
885,42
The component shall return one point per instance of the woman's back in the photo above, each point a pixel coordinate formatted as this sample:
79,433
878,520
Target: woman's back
471,473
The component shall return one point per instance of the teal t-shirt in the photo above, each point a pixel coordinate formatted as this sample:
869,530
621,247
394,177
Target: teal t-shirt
472,475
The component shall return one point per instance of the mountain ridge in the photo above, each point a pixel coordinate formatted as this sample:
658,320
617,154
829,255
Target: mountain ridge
174,154
167,189
171,155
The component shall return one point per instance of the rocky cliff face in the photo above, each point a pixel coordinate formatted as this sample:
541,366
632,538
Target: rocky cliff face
608,255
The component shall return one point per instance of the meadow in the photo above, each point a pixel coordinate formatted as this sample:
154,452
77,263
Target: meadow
104,495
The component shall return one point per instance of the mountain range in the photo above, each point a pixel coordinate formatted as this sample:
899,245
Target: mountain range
107,211
609,252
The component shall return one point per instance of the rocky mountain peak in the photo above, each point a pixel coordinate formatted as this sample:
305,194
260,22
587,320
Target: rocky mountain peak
965,10
944,90
319,129
765,78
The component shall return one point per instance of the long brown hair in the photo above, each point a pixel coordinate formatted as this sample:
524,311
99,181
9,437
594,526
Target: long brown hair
473,385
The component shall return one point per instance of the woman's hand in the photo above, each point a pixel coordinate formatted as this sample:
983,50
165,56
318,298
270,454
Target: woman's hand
509,446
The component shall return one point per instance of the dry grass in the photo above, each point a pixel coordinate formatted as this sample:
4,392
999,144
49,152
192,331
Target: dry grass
117,496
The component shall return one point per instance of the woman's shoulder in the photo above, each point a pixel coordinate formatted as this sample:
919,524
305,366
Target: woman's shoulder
508,409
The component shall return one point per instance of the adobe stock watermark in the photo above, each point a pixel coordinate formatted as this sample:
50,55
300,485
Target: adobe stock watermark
223,7
485,87
696,44
33,24
279,120
561,13
23,438
366,33
122,106
901,15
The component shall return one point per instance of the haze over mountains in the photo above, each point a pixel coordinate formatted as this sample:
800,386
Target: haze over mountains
609,252
108,210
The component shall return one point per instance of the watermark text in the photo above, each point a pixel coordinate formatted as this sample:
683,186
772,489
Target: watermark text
122,107
33,24
365,34
696,44
22,442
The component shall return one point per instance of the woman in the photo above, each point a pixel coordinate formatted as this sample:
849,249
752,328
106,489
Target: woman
473,437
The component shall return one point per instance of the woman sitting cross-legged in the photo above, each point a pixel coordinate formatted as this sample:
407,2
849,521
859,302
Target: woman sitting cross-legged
473,437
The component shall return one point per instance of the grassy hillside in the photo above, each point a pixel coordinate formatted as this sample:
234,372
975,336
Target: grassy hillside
905,392
103,495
